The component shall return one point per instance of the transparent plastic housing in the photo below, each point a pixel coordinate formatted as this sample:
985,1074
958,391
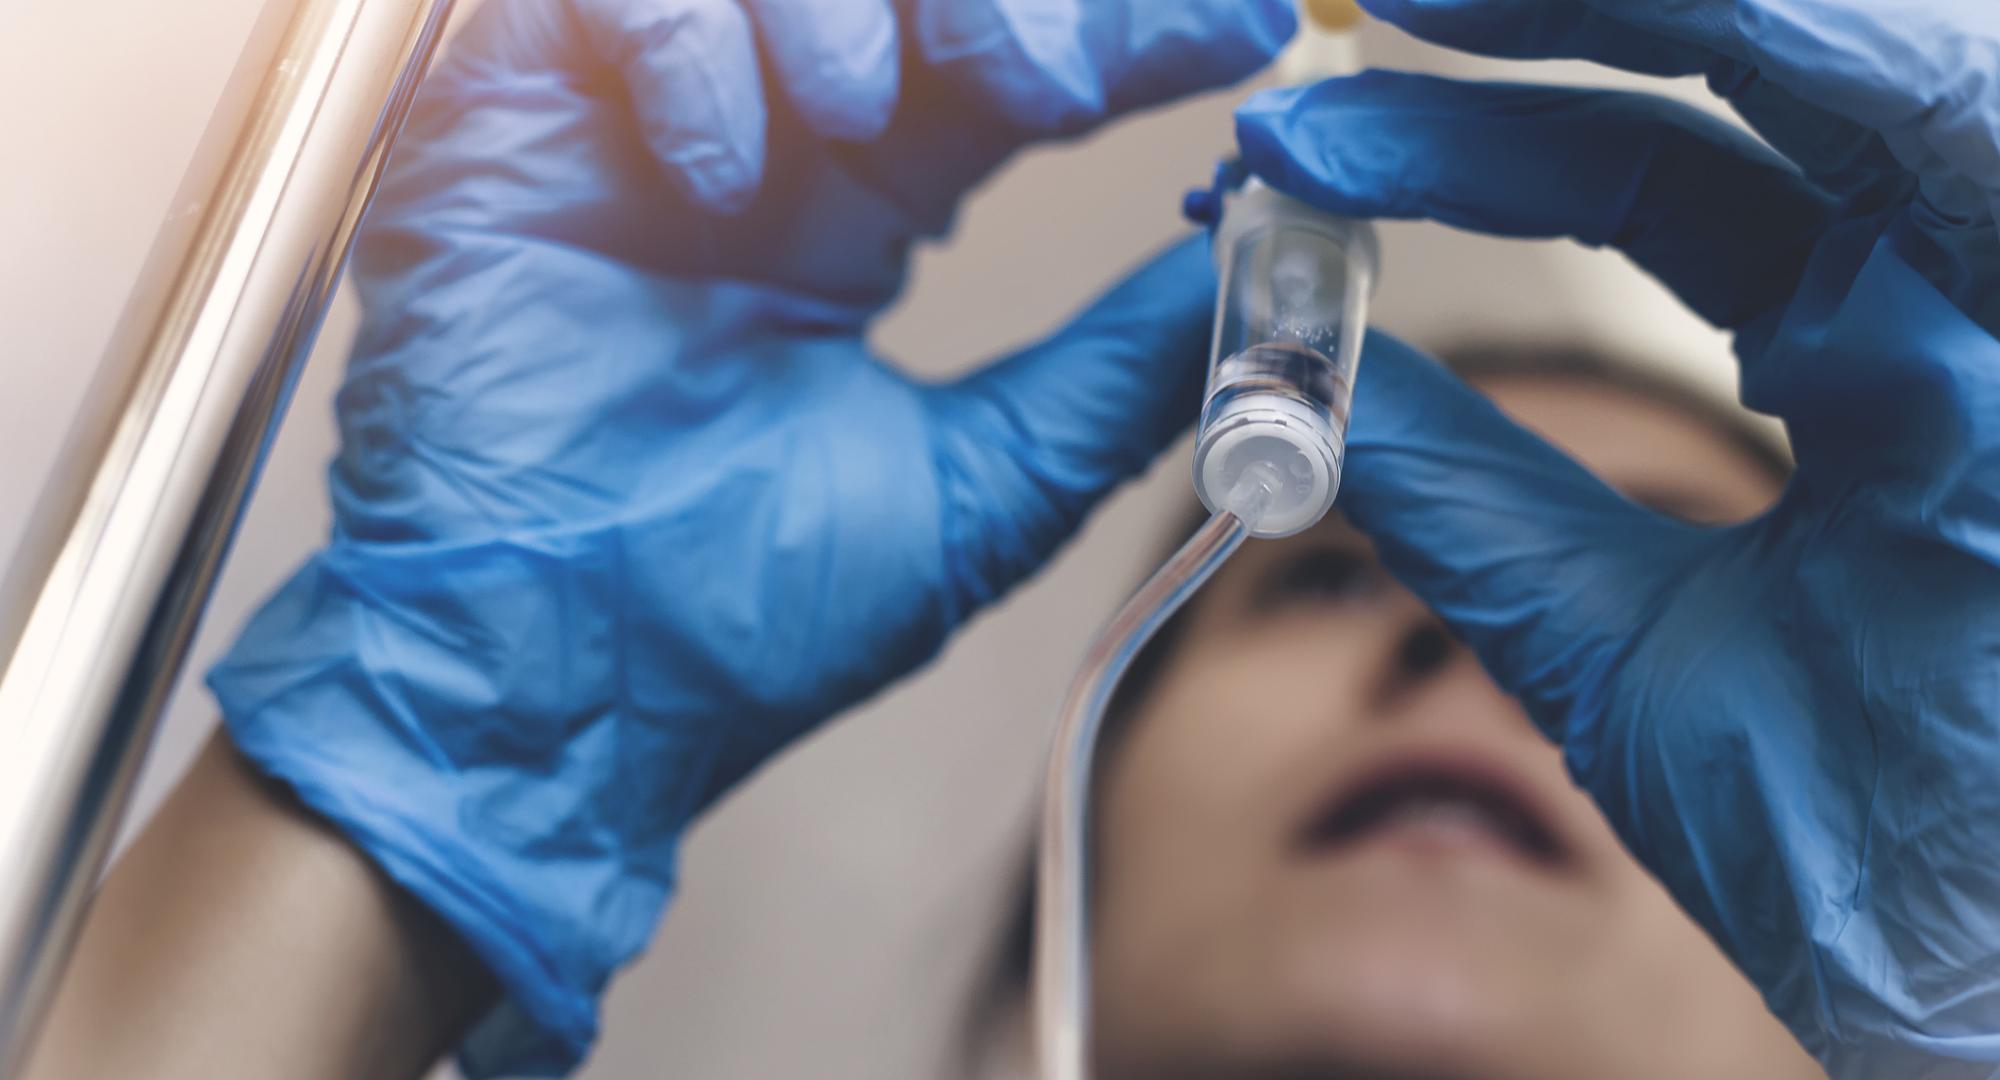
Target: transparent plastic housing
1291,318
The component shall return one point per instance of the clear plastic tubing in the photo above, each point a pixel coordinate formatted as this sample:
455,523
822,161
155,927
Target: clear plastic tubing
1062,891
1291,319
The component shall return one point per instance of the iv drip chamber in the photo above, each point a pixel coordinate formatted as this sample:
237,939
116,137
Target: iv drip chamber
1291,317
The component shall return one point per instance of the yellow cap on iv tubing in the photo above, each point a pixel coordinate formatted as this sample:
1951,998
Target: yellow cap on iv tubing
1326,44
1291,318
1336,15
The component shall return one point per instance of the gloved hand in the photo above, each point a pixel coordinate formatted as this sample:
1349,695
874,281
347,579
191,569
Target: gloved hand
1795,723
624,501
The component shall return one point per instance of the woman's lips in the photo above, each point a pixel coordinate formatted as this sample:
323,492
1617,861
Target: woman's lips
1446,799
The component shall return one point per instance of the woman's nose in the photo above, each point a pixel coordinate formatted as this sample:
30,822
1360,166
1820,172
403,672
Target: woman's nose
1426,649
1423,668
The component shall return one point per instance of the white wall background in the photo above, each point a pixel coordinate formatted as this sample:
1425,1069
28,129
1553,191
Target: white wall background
835,908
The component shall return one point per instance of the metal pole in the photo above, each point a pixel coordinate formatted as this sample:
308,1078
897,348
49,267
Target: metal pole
97,613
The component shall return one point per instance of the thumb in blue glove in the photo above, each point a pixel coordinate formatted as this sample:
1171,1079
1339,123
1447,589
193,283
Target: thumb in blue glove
1792,721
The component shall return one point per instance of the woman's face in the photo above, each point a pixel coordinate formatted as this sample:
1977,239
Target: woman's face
1331,847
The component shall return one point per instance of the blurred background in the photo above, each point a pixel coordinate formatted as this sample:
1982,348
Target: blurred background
836,910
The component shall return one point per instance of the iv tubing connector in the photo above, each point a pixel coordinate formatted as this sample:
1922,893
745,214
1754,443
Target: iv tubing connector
1254,492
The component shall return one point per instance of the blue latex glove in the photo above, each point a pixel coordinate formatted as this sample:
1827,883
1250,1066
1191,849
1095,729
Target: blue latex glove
624,502
1795,723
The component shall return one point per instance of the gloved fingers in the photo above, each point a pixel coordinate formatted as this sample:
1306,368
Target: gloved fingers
1060,66
1543,30
692,71
1918,71
1705,208
1868,173
1029,444
1850,161
1844,154
1533,562
840,62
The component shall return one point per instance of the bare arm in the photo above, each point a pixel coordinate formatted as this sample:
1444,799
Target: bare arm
241,937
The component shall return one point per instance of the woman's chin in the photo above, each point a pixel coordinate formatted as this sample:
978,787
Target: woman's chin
1405,993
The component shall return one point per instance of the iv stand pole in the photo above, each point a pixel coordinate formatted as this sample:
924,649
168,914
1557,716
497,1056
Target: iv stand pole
97,612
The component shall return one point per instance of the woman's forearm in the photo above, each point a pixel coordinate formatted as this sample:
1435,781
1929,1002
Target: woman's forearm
240,937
